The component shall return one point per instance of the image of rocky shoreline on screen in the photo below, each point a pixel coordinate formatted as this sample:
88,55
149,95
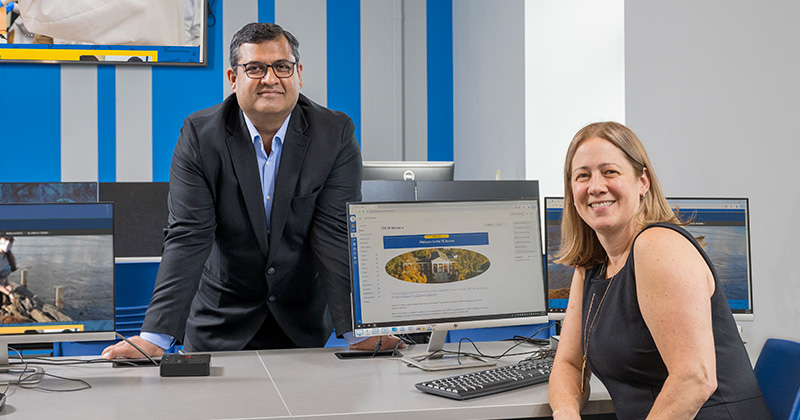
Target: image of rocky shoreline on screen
59,282
437,265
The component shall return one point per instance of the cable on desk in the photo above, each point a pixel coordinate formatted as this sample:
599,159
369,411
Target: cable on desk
47,361
522,340
378,346
30,379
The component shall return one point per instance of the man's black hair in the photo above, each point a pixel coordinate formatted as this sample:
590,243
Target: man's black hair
256,33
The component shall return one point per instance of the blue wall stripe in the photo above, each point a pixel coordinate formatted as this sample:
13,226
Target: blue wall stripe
344,59
266,11
106,124
440,79
31,134
180,91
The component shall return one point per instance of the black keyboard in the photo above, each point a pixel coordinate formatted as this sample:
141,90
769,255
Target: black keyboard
490,381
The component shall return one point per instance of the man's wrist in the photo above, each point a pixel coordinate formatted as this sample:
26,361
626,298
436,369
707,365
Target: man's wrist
163,341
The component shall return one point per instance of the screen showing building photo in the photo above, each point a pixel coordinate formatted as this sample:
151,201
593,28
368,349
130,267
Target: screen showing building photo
414,263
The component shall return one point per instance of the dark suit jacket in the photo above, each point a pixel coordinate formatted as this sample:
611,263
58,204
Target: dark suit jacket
218,266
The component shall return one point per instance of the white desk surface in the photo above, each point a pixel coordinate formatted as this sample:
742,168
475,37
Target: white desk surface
277,384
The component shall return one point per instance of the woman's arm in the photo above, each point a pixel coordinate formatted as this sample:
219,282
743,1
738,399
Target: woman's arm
674,285
566,398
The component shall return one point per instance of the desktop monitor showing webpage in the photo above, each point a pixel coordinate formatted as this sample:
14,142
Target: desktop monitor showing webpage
57,272
721,226
436,266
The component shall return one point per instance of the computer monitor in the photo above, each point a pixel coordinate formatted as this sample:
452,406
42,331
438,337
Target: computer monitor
440,266
408,171
721,225
63,287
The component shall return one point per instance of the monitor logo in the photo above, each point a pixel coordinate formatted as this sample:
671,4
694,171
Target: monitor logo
408,175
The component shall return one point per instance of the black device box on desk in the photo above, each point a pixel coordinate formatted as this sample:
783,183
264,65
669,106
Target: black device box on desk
173,364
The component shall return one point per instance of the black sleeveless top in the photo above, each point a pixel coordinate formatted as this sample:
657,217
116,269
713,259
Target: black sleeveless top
624,356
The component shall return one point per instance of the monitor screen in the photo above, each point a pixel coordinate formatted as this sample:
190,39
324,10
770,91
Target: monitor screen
57,273
136,32
721,226
408,171
438,266
559,277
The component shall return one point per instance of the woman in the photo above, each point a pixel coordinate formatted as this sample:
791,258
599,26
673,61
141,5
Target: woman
656,329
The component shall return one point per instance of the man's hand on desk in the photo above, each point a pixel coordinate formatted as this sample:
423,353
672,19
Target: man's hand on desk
388,342
123,349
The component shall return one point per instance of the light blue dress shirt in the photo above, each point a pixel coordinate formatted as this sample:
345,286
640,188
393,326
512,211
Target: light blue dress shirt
268,165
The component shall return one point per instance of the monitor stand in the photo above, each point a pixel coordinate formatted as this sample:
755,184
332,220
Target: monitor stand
25,375
435,359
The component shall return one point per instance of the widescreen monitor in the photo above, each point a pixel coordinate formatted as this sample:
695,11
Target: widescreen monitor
407,171
440,266
63,285
721,226
132,32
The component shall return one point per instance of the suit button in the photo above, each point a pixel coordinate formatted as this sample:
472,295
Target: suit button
271,270
271,299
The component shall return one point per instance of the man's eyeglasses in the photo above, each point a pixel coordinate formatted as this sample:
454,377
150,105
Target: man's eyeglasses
257,70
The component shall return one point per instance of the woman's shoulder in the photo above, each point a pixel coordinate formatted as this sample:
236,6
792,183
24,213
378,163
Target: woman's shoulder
661,239
662,236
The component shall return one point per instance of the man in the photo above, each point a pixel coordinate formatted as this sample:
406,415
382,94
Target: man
256,252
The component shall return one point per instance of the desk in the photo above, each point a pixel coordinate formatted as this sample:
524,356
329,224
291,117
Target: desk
275,385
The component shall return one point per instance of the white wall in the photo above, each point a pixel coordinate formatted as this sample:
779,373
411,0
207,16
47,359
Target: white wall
712,90
574,75
488,89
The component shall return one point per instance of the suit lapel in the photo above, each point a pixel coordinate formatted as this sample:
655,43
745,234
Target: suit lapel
245,168
294,151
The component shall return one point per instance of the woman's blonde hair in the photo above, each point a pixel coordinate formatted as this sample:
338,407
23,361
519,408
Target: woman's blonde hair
580,246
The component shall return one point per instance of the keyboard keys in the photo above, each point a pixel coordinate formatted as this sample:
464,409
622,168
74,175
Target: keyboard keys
490,381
